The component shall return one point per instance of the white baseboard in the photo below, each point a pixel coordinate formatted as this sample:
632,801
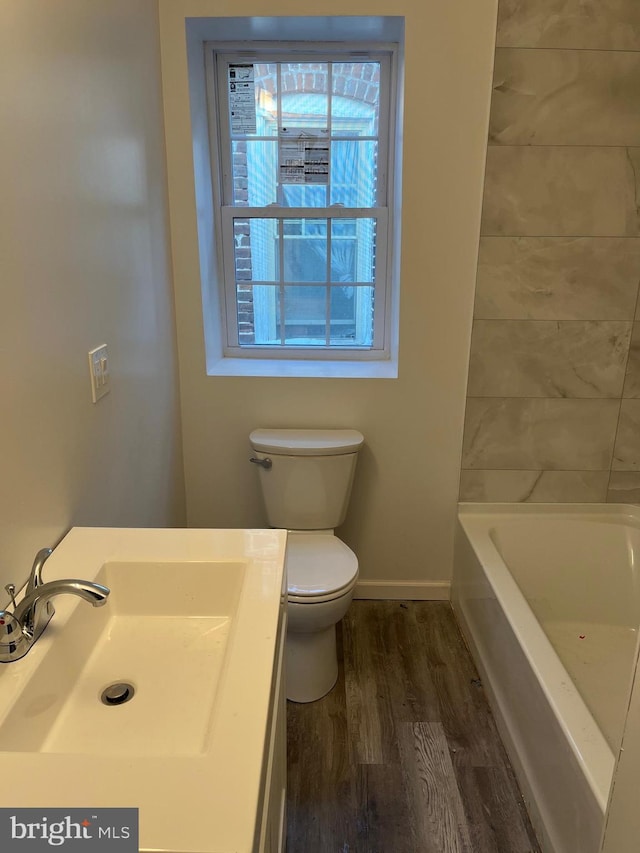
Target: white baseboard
407,590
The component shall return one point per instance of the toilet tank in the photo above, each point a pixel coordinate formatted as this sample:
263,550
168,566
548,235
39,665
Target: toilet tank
308,485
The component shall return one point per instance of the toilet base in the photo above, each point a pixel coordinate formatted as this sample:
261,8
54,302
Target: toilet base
312,664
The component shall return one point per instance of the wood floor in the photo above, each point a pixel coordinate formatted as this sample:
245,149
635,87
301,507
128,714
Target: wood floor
403,755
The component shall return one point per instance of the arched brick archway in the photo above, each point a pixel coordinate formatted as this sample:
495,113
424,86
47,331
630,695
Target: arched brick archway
357,80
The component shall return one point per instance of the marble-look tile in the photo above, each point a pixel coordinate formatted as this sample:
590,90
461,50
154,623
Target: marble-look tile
565,97
624,487
626,453
539,434
595,24
545,358
557,278
561,191
534,486
632,379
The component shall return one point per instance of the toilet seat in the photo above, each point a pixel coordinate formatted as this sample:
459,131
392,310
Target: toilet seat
320,567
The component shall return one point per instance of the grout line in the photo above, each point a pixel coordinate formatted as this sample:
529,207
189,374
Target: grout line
566,49
563,236
538,397
534,145
622,398
550,320
536,470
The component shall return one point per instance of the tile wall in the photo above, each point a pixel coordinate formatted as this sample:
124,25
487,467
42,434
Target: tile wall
553,406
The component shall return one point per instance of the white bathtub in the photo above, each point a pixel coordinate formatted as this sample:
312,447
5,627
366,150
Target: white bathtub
548,597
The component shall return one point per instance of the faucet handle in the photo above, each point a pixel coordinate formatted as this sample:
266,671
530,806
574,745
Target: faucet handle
14,642
11,589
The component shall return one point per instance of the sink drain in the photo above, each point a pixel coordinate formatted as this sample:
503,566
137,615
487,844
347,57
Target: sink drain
117,693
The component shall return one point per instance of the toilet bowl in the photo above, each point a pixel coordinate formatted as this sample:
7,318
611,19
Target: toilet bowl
322,573
306,478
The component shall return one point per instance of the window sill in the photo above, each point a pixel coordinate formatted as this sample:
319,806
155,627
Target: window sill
302,368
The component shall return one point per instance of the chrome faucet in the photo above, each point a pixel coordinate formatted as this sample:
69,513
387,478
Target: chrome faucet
35,578
22,628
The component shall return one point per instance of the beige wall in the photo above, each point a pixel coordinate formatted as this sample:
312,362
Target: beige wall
403,507
553,412
84,251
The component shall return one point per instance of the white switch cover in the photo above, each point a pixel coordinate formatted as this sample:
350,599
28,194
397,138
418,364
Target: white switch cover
99,371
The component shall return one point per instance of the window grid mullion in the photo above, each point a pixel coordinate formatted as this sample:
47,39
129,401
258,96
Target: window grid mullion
329,128
328,288
279,189
281,277
280,212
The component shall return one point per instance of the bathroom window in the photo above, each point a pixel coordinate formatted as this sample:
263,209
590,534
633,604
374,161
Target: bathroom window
302,153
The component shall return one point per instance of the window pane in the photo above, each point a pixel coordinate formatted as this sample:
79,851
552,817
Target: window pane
266,81
305,99
305,249
354,173
304,195
353,250
265,86
343,251
351,316
254,173
305,312
258,314
356,97
256,249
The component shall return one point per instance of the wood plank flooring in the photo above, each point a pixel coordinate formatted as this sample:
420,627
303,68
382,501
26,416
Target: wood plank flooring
403,755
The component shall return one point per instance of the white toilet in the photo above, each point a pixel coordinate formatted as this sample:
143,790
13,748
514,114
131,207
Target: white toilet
306,477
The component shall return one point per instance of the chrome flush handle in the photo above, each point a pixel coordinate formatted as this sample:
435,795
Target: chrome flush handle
265,463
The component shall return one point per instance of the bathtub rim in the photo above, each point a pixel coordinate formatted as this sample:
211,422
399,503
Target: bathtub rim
591,750
625,512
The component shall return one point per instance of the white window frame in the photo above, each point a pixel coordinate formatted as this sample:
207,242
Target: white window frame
217,56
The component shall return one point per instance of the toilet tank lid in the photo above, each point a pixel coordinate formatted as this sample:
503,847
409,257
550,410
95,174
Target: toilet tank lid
306,442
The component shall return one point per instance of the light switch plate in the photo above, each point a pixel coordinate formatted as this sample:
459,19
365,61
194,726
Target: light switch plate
99,372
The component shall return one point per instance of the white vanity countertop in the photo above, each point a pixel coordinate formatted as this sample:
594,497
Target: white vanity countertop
198,800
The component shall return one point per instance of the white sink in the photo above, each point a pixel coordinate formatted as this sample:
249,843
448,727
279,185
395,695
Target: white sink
191,624
164,631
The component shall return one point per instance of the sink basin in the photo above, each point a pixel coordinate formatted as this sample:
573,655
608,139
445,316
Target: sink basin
164,631
191,625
